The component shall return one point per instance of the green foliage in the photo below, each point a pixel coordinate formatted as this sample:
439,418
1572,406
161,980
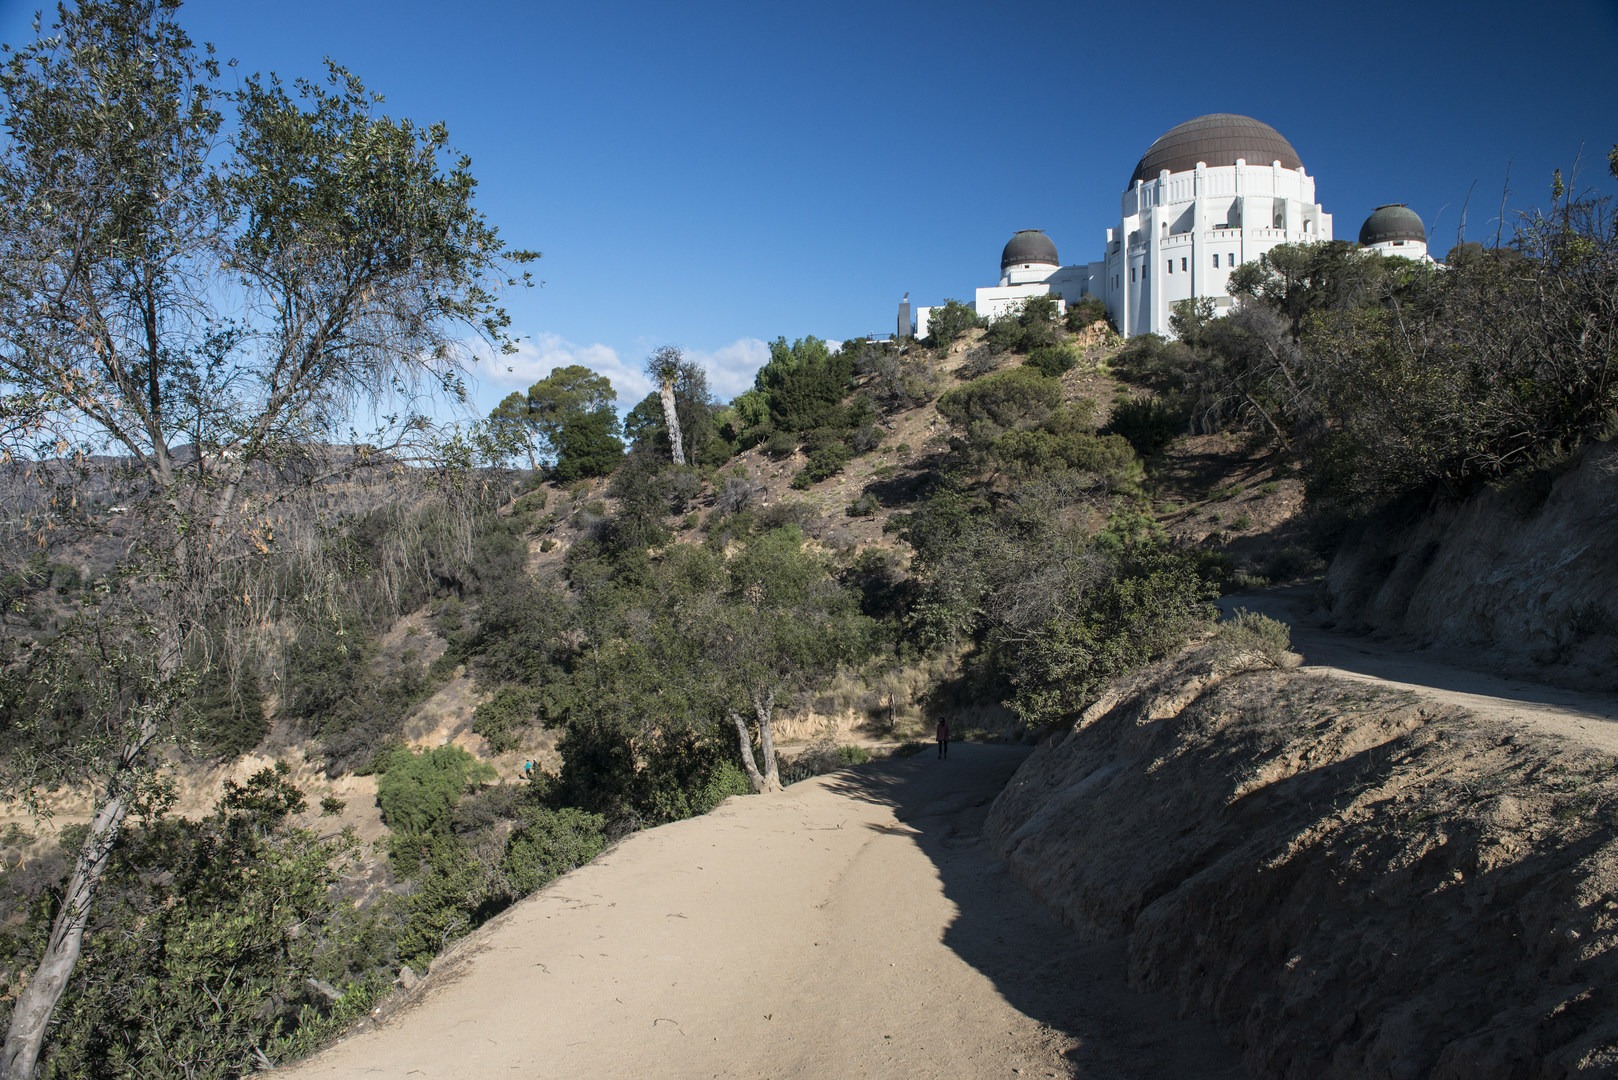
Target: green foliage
1148,424
1088,311
1032,325
341,693
946,324
804,383
418,790
206,940
1154,600
824,462
1108,459
1052,360
502,719
548,843
985,409
1252,640
227,715
535,422
588,445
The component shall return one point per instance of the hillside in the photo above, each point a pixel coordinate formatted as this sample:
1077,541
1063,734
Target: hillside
1350,880
988,532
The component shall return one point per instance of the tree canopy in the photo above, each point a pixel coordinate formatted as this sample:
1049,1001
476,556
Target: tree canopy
221,304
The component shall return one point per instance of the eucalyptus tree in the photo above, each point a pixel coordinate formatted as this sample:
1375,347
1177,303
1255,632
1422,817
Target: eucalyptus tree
664,368
214,303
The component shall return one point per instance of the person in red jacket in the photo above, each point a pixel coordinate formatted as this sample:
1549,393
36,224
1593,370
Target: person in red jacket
943,739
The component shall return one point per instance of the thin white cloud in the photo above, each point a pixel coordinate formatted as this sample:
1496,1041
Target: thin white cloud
731,367
540,354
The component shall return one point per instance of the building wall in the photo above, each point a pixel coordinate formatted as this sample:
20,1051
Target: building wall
1408,249
1182,234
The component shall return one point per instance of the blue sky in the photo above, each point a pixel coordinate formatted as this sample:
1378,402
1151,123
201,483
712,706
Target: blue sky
715,175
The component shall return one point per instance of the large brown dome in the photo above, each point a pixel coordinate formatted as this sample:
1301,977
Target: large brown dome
1216,139
1029,246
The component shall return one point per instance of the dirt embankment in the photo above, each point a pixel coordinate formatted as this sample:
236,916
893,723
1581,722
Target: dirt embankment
1525,577
1351,880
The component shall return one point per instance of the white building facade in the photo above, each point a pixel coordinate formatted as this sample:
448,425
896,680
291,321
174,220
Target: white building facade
1210,195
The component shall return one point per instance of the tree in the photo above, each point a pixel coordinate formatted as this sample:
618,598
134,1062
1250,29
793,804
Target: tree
947,323
588,445
664,368
783,621
215,310
533,422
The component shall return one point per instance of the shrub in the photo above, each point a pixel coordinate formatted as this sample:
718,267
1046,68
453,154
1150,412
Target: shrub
781,444
1088,311
588,446
1252,641
418,791
947,323
824,463
1052,360
979,362
502,718
547,844
864,506
1149,424
982,410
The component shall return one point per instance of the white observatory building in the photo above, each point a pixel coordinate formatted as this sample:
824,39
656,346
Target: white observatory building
1209,195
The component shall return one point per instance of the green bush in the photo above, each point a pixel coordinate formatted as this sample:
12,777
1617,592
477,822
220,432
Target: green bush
588,446
1086,312
947,323
994,404
1107,458
824,463
418,790
1149,424
1052,360
547,844
502,719
1251,641
781,444
864,506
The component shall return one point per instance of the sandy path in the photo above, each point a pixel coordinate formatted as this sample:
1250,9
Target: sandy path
1569,714
854,926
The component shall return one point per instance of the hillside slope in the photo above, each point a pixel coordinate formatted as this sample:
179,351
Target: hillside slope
1525,577
1350,881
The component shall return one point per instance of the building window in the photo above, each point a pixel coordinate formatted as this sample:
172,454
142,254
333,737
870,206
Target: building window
1132,275
1182,264
1171,266
1216,260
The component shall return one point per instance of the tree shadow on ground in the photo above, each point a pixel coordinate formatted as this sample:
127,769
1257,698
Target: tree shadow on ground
1075,988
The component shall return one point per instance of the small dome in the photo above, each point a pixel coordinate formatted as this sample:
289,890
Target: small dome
1216,139
1029,246
1390,223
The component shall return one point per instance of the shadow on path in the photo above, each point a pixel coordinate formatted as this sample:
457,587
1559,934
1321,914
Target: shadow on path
1076,989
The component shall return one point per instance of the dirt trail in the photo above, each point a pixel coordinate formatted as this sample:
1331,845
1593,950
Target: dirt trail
854,926
1584,718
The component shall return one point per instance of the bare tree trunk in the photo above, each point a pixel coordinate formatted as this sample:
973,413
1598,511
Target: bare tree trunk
770,778
671,419
754,777
765,710
37,1002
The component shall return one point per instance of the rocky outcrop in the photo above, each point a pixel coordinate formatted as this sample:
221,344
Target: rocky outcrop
1524,577
1351,883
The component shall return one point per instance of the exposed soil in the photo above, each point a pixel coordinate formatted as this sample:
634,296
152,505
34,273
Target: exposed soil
854,926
